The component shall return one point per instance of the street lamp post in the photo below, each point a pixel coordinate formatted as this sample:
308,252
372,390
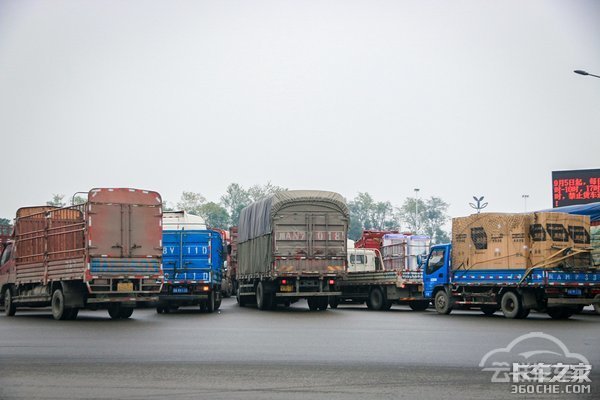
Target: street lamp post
416,210
581,72
525,197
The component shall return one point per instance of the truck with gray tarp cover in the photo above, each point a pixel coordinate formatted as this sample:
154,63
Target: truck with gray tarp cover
292,245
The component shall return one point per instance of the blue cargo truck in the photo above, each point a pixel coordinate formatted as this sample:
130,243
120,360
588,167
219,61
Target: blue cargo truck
557,285
192,264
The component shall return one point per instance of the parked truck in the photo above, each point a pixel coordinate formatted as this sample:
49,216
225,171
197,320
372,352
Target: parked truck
514,263
384,281
292,245
105,253
192,263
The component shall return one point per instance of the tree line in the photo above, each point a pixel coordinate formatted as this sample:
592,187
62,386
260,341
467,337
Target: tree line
422,216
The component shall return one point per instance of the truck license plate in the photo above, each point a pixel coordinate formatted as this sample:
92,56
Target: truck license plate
286,288
180,290
574,292
125,287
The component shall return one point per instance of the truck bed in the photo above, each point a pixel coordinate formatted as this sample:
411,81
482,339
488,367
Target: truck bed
537,277
397,278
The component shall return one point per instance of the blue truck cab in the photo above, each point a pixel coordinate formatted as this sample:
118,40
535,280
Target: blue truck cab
559,292
192,264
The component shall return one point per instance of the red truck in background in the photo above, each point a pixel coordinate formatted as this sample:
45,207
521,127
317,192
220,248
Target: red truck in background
105,253
371,239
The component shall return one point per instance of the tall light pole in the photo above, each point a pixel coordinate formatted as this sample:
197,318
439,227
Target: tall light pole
416,210
581,72
525,197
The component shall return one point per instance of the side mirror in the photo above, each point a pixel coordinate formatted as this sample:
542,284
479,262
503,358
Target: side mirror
419,260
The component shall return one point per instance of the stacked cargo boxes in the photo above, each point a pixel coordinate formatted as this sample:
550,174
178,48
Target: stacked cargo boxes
402,251
519,241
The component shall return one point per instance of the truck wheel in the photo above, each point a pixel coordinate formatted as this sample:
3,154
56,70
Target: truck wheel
597,305
264,300
313,304
160,310
489,310
241,300
10,308
210,303
420,305
59,311
334,301
376,299
442,303
323,303
217,304
113,311
511,306
125,312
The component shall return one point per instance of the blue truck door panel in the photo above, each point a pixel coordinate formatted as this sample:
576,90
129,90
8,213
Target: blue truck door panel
194,255
436,269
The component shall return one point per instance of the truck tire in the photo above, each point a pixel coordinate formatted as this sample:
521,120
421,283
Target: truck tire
489,310
10,308
313,304
442,303
113,311
59,311
125,312
217,304
420,305
323,302
511,305
334,302
264,300
377,299
210,303
597,305
241,300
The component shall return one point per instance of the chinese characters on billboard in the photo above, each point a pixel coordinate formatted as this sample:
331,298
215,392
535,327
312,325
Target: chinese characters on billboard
575,187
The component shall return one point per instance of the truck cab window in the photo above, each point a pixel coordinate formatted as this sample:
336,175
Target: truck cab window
357,259
436,261
6,254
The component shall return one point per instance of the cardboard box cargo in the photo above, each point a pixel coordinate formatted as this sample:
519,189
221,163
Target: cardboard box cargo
519,241
490,241
552,232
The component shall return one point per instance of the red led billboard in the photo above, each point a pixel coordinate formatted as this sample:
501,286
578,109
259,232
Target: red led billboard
575,187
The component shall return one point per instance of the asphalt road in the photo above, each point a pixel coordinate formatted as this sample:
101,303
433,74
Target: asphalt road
243,353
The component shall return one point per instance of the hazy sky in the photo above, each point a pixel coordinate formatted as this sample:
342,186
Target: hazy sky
457,98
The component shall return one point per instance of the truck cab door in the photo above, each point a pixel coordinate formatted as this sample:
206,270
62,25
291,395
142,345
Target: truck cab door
436,269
